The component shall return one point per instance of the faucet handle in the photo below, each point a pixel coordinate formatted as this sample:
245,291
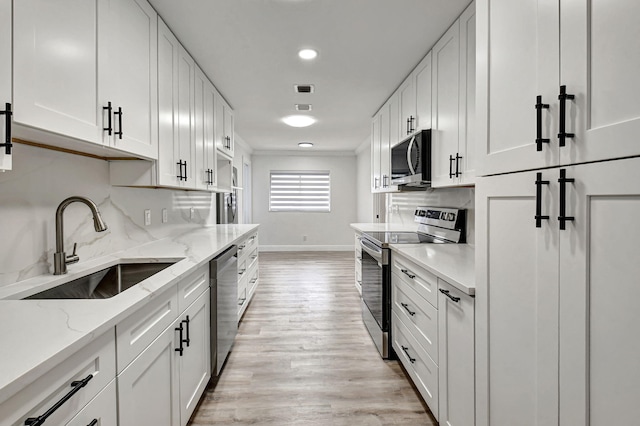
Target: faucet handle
73,258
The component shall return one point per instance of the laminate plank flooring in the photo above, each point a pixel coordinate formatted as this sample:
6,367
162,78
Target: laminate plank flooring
303,356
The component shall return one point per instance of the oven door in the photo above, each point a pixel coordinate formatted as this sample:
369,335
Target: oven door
376,282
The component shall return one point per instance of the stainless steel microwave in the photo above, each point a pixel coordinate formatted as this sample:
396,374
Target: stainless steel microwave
411,160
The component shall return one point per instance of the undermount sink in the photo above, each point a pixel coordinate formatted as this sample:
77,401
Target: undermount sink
105,283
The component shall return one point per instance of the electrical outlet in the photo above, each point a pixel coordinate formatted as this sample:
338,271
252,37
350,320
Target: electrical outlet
192,213
147,217
165,216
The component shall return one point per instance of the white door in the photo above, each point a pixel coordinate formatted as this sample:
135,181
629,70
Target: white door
202,175
600,63
445,114
209,135
385,157
516,301
467,102
423,93
407,97
219,125
195,364
517,60
168,147
394,120
376,140
148,389
599,290
228,128
5,76
186,114
57,66
132,72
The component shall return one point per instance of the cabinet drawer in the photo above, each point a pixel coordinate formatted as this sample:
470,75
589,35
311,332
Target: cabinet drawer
252,259
103,409
192,287
137,331
419,279
420,317
421,368
97,359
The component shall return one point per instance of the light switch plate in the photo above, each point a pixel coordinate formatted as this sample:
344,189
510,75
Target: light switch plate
147,217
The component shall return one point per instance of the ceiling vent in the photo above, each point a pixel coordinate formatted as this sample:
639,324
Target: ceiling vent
304,88
303,107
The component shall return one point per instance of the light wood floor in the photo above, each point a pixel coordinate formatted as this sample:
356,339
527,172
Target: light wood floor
303,357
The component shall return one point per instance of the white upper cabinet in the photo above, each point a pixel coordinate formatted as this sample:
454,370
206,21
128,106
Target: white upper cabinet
5,81
590,47
376,143
453,113
407,99
60,60
132,77
87,70
423,93
224,127
205,152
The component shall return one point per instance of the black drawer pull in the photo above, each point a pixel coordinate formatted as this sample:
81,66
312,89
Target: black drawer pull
119,114
563,116
180,349
458,158
446,293
539,217
109,110
76,385
94,422
451,166
187,340
539,107
407,273
406,307
406,351
7,137
563,198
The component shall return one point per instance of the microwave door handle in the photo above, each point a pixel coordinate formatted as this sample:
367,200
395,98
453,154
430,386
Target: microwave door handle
409,148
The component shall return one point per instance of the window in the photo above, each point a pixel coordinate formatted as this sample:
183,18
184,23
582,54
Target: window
308,191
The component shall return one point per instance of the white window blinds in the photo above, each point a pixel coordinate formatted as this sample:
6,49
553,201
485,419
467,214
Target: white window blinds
308,191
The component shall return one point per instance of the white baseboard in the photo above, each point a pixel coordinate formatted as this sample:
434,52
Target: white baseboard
305,248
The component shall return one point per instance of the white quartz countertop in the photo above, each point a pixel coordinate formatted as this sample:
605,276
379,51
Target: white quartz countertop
38,334
454,263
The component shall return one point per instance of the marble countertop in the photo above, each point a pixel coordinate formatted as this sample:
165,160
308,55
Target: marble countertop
39,334
454,263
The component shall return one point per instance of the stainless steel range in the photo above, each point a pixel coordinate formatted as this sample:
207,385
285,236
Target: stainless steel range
436,225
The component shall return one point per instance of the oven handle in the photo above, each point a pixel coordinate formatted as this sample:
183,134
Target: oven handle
373,251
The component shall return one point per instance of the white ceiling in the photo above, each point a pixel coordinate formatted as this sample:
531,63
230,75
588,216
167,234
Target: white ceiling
248,48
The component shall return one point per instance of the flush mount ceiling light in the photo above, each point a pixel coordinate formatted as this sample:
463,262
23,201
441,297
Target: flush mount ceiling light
299,120
305,144
308,54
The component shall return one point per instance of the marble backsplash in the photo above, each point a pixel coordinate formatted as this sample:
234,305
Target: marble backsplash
401,205
41,179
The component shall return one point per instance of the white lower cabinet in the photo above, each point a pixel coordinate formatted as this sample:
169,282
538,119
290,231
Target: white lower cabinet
358,263
101,411
433,335
94,365
248,272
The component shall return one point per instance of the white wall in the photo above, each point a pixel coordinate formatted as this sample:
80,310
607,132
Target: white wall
41,179
365,197
324,231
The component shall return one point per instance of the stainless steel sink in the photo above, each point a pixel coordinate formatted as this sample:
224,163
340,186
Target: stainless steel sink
105,283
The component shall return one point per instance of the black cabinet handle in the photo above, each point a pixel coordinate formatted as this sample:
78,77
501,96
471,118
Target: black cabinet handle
406,307
181,164
563,120
539,217
451,166
411,120
406,351
458,158
446,293
539,107
119,114
94,422
76,385
179,175
563,199
109,110
187,340
8,112
407,273
180,329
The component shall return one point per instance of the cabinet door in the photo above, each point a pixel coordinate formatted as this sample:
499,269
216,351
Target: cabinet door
385,157
168,149
456,361
148,389
518,60
407,98
132,74
103,409
423,93
186,115
58,67
5,75
229,128
195,364
376,140
599,291
394,120
209,135
600,62
516,302
445,115
467,103
202,175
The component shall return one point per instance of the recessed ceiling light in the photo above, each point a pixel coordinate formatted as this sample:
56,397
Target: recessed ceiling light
308,54
305,144
299,120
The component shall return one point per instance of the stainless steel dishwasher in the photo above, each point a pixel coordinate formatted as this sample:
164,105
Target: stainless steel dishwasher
224,307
